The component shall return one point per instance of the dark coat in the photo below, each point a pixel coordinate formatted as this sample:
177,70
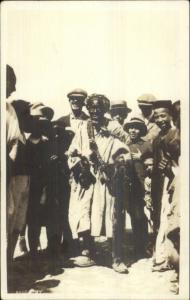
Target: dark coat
137,193
137,166
65,121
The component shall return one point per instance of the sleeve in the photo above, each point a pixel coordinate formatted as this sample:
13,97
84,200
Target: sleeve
173,145
148,153
79,146
118,131
13,133
118,149
152,134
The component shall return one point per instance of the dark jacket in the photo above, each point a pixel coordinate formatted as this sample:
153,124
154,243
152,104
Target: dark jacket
164,146
65,121
137,165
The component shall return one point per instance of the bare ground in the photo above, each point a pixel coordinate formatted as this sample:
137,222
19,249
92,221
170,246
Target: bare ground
99,281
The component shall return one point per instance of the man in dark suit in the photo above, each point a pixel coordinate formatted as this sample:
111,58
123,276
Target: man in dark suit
71,123
77,115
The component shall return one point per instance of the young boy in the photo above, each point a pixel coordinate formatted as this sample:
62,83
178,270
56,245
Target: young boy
140,151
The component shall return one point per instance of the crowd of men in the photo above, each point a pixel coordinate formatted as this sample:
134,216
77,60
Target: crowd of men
80,174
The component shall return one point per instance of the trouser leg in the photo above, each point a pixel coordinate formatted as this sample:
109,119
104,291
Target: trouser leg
68,243
33,236
34,226
12,240
118,235
88,246
140,233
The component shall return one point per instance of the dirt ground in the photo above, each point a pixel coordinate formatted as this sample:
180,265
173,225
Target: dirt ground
94,282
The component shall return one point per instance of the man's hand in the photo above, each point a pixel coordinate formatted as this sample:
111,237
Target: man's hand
148,202
54,157
162,165
136,155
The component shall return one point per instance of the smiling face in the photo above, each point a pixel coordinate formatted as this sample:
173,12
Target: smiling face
76,104
162,118
134,133
96,111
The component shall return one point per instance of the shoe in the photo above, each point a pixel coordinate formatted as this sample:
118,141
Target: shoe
175,289
120,268
84,261
162,267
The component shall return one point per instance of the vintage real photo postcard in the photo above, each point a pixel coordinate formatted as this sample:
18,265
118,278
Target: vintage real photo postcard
95,150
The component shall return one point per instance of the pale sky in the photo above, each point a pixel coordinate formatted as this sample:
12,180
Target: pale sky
121,49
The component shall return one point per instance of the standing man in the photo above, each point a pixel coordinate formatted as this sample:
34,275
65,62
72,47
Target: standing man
17,186
77,116
119,112
73,122
96,190
145,103
37,151
13,133
166,151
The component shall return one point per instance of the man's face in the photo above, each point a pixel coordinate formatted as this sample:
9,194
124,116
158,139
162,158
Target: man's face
134,133
96,111
146,110
10,85
162,118
76,104
120,115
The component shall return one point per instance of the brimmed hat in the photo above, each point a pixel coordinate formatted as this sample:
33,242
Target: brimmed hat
146,100
77,93
176,103
120,105
162,104
139,123
101,98
39,109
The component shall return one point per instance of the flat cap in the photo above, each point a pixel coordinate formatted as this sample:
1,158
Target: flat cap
146,100
122,104
162,104
79,93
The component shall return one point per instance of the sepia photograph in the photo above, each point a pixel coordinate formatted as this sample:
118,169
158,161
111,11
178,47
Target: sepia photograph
95,150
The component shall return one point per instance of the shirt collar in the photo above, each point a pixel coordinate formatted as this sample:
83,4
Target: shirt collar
81,117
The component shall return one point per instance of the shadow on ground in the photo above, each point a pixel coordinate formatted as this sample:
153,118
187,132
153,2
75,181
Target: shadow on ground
26,276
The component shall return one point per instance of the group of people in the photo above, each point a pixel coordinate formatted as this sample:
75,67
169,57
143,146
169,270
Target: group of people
80,174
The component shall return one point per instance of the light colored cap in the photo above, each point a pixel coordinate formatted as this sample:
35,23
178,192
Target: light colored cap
146,100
